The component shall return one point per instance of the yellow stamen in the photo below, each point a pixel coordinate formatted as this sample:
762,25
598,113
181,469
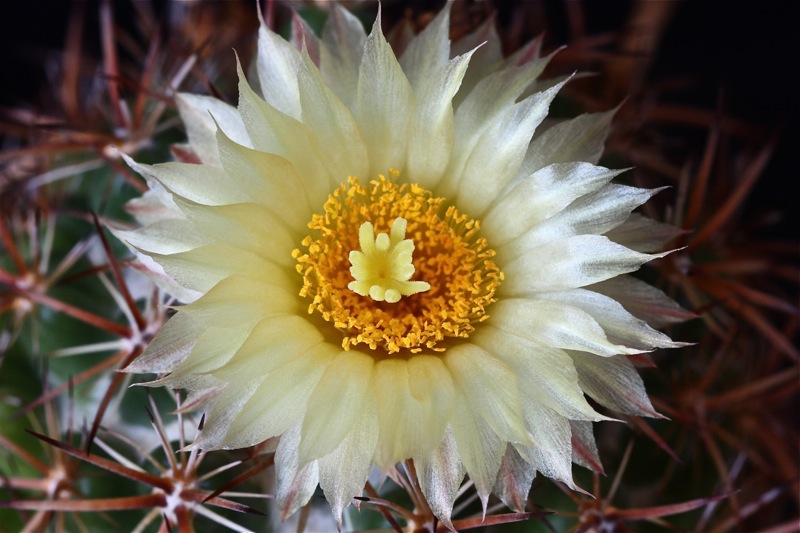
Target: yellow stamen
458,269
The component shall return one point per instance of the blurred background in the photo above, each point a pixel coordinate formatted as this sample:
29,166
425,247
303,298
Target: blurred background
707,94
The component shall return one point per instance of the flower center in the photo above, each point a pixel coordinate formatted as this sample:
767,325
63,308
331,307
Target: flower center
361,283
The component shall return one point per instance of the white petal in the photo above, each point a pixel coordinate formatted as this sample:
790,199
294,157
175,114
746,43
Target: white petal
620,326
171,345
440,474
547,375
551,451
280,400
553,324
334,130
428,52
295,485
201,268
579,139
569,263
336,404
614,382
595,213
479,447
243,226
514,480
343,472
227,404
414,400
343,39
492,96
277,71
432,133
236,300
644,234
271,179
643,301
541,196
490,387
384,104
199,114
584,447
499,151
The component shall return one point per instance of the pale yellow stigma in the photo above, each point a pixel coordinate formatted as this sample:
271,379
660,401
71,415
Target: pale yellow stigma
383,267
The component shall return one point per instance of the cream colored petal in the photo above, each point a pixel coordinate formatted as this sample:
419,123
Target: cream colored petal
235,300
567,264
584,447
479,110
546,375
276,64
336,404
215,346
274,342
384,104
334,132
428,53
479,447
304,38
203,267
171,345
490,387
541,196
489,56
614,382
295,485
276,133
595,213
499,151
432,131
280,400
514,480
643,301
551,451
620,326
201,115
414,400
225,406
440,474
271,180
163,237
579,139
247,226
344,471
644,234
553,324
154,205
343,39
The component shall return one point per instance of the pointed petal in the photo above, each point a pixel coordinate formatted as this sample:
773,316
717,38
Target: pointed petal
336,404
171,345
343,39
584,447
569,263
514,480
551,451
276,64
428,52
579,139
554,324
440,474
614,382
541,196
295,485
384,104
499,151
491,389
549,377
643,301
199,114
620,326
343,472
644,234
